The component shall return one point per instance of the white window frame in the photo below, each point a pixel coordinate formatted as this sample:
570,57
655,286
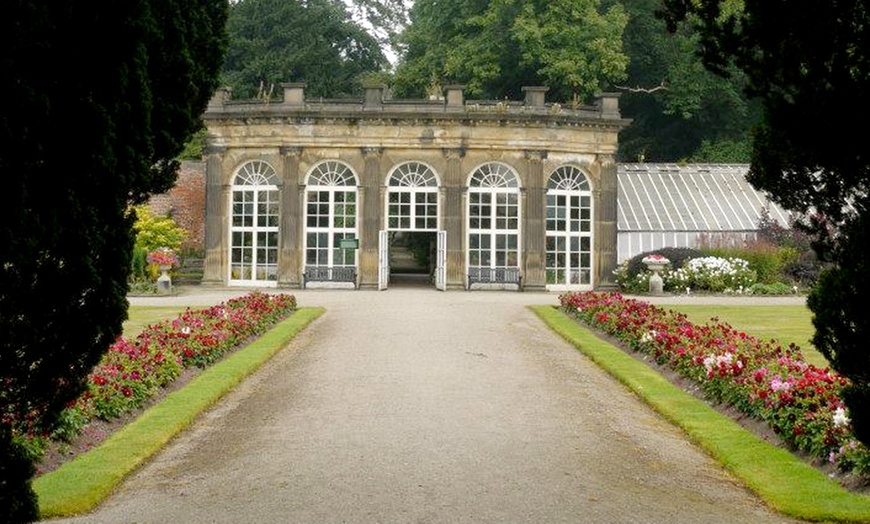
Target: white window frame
496,181
331,179
259,181
566,224
411,182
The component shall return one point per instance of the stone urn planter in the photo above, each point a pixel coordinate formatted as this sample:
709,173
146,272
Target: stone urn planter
164,258
164,281
656,264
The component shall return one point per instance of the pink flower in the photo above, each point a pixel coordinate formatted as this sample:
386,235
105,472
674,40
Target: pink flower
163,256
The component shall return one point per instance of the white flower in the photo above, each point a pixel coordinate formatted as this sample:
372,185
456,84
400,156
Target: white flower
840,418
718,361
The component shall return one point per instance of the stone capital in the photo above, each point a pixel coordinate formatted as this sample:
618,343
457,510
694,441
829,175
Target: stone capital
453,153
535,155
371,151
290,150
214,150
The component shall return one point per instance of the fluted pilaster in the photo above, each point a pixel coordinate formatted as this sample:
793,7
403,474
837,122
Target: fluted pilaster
606,224
290,245
453,214
534,251
214,265
371,212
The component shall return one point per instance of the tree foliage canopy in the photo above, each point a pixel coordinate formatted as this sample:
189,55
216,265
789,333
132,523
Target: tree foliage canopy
99,100
316,42
495,48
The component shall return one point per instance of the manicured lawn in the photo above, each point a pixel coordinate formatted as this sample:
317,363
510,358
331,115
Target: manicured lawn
787,324
139,317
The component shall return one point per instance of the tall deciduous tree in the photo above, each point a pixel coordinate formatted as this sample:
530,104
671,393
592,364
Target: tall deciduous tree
384,18
313,41
680,109
99,98
495,48
809,65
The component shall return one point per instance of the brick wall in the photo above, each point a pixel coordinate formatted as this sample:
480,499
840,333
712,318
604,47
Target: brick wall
185,203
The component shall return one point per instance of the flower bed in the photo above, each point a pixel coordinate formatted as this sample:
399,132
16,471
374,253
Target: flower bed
133,371
801,403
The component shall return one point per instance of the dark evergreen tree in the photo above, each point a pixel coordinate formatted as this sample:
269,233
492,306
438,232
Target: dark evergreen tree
98,100
807,62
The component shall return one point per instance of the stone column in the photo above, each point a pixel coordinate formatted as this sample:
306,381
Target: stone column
216,225
534,232
290,242
371,213
454,184
606,224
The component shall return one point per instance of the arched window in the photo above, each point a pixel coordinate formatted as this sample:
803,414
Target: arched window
569,229
330,215
254,225
493,218
412,198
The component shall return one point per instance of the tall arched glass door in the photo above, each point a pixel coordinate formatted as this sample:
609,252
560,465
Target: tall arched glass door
330,215
412,198
569,229
493,220
254,226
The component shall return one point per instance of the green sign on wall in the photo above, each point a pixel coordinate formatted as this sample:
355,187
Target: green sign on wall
348,243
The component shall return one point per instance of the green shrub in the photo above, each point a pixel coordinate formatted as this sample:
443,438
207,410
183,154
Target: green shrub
777,288
154,232
676,255
139,269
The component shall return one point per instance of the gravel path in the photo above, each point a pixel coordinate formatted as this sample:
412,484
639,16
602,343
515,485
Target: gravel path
413,405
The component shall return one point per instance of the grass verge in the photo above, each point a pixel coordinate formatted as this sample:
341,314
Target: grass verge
783,481
81,484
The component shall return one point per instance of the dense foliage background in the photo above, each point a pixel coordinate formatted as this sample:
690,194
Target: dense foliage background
681,111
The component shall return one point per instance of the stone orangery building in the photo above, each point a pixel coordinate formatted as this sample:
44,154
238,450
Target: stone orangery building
510,194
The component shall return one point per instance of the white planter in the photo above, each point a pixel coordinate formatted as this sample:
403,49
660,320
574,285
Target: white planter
656,265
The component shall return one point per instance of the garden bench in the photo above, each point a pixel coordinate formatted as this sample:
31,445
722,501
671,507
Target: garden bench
500,275
329,274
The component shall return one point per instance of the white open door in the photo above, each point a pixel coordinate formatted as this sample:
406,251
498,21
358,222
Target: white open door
383,260
441,261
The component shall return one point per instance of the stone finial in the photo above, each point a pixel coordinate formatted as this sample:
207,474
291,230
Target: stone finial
219,98
535,95
374,96
608,104
455,95
294,92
